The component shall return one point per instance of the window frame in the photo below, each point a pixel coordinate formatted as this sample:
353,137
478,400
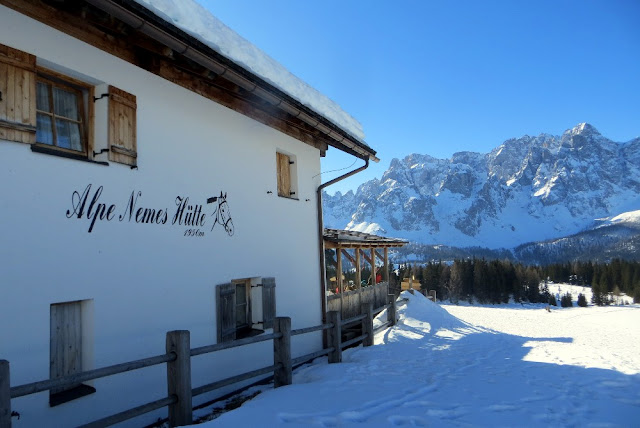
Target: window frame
243,330
84,97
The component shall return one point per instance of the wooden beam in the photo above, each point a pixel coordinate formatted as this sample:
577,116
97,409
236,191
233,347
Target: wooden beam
348,256
330,244
367,258
358,268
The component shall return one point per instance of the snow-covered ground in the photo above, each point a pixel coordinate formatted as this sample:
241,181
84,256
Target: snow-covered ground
470,366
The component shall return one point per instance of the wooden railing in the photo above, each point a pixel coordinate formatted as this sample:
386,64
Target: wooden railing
349,303
178,360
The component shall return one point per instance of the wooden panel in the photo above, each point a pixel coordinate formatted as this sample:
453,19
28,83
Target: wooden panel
18,87
268,301
122,127
66,341
226,312
284,175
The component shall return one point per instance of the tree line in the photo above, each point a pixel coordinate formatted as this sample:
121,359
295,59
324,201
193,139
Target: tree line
496,281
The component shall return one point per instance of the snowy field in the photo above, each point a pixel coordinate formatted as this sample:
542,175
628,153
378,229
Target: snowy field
509,365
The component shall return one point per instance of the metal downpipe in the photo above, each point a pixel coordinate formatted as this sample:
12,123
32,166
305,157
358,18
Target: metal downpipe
323,271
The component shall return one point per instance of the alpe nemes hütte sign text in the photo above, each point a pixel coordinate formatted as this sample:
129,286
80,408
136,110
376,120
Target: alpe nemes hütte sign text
193,216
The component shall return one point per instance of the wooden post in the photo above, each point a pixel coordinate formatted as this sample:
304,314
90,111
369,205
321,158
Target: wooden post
339,277
283,374
5,395
179,378
391,311
358,269
386,265
373,266
367,323
334,336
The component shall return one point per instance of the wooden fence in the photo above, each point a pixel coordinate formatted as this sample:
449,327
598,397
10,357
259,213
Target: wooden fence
178,363
349,303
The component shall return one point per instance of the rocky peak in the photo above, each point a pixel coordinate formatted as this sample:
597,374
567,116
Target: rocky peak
526,189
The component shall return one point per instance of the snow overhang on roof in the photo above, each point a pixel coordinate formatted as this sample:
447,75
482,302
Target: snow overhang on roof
353,239
193,32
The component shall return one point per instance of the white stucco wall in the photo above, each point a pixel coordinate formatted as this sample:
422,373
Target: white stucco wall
146,279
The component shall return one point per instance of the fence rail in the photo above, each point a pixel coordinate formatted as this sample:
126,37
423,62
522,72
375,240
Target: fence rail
178,360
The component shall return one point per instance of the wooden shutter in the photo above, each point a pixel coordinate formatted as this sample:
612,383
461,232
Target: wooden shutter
122,127
66,341
284,175
18,95
226,312
268,301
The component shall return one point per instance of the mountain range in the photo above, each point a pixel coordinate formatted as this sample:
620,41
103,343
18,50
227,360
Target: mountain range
535,199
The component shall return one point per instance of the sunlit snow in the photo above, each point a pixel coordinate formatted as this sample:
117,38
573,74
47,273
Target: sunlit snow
509,365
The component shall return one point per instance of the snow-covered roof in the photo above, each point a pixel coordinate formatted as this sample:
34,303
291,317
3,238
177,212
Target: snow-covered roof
195,20
360,239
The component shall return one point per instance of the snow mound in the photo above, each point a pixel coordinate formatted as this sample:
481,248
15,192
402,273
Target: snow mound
420,308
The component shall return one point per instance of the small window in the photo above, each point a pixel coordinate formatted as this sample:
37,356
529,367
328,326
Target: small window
245,307
60,114
286,176
68,349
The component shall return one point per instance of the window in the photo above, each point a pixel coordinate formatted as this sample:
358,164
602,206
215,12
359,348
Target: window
54,112
69,348
61,114
245,307
286,173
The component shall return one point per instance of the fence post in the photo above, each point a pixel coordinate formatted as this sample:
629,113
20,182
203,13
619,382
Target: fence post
367,323
179,378
391,312
334,337
282,352
5,395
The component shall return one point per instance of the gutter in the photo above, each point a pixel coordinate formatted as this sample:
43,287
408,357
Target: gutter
264,92
323,270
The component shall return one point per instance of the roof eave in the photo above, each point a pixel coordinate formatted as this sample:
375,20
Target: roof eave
147,22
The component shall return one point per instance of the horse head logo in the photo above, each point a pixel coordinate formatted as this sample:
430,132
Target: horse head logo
222,214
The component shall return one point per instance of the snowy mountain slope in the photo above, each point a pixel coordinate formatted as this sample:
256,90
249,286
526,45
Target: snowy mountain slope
597,245
526,190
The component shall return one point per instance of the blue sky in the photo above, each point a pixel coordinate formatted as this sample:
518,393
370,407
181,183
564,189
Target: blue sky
438,77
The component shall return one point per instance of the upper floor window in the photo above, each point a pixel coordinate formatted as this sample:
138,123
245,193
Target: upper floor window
55,112
60,115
